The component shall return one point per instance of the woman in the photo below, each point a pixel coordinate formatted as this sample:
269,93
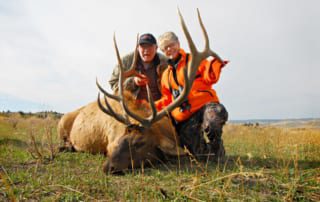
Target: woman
199,120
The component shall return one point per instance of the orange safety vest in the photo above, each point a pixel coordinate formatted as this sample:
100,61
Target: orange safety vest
201,91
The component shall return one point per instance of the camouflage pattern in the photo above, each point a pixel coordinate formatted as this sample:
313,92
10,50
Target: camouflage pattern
201,134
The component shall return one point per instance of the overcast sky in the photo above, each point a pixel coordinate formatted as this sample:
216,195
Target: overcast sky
52,51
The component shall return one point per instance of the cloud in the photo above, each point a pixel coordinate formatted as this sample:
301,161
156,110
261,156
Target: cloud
52,51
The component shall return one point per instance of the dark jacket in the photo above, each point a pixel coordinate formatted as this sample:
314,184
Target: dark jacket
160,63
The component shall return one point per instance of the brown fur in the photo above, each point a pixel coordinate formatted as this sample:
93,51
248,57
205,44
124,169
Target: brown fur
88,129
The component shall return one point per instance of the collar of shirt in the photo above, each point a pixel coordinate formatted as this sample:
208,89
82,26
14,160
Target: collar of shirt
174,62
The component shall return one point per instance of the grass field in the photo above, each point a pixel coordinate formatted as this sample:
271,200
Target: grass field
263,163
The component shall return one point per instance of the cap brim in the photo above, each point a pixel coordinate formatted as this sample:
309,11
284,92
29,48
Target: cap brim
145,42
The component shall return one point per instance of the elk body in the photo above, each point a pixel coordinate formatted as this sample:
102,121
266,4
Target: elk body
129,134
88,129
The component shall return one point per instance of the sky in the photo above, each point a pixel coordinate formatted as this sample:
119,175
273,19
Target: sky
52,51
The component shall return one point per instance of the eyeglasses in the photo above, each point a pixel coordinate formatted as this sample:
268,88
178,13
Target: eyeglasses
170,45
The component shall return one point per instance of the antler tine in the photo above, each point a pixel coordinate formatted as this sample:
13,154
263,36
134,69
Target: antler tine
204,31
114,114
195,54
102,107
132,70
110,111
121,77
207,51
191,44
106,93
152,105
117,51
120,66
144,122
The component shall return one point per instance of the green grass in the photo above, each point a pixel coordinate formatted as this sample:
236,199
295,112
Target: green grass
263,164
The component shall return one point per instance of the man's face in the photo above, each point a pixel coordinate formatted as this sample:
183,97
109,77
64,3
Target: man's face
147,52
172,50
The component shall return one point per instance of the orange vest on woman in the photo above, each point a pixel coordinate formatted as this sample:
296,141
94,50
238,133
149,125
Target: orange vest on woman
201,92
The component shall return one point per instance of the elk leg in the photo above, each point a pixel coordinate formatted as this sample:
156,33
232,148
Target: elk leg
67,147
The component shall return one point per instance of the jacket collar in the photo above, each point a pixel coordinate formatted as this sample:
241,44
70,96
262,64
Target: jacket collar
181,58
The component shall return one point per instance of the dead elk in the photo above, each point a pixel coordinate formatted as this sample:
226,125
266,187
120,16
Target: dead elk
115,126
89,129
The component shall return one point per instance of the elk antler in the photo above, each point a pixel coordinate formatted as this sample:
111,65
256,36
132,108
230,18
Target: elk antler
197,56
189,75
131,72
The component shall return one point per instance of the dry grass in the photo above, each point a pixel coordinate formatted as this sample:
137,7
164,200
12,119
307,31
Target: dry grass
273,142
263,164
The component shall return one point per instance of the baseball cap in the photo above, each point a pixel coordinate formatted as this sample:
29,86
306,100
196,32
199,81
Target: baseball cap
147,39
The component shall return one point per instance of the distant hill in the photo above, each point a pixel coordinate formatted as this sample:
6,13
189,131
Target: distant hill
14,103
304,122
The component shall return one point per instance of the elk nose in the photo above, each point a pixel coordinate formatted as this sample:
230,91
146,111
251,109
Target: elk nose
108,168
105,167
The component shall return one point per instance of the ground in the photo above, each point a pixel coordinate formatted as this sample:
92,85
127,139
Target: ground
263,163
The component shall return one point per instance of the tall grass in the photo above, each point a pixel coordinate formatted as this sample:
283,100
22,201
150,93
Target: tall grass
263,164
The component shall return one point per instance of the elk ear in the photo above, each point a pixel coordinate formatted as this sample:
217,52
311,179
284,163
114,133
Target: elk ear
168,146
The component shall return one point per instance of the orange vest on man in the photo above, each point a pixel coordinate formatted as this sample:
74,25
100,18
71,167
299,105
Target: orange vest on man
201,92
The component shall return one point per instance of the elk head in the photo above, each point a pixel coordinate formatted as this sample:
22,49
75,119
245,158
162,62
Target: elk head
141,140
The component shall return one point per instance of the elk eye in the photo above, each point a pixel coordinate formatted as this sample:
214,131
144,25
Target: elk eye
133,127
141,129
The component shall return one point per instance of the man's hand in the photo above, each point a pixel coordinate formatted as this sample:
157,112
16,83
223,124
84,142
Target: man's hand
141,80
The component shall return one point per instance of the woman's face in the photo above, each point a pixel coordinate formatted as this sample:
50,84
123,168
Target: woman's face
172,50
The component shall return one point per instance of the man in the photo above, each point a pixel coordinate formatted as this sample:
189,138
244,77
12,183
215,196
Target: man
200,119
150,65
